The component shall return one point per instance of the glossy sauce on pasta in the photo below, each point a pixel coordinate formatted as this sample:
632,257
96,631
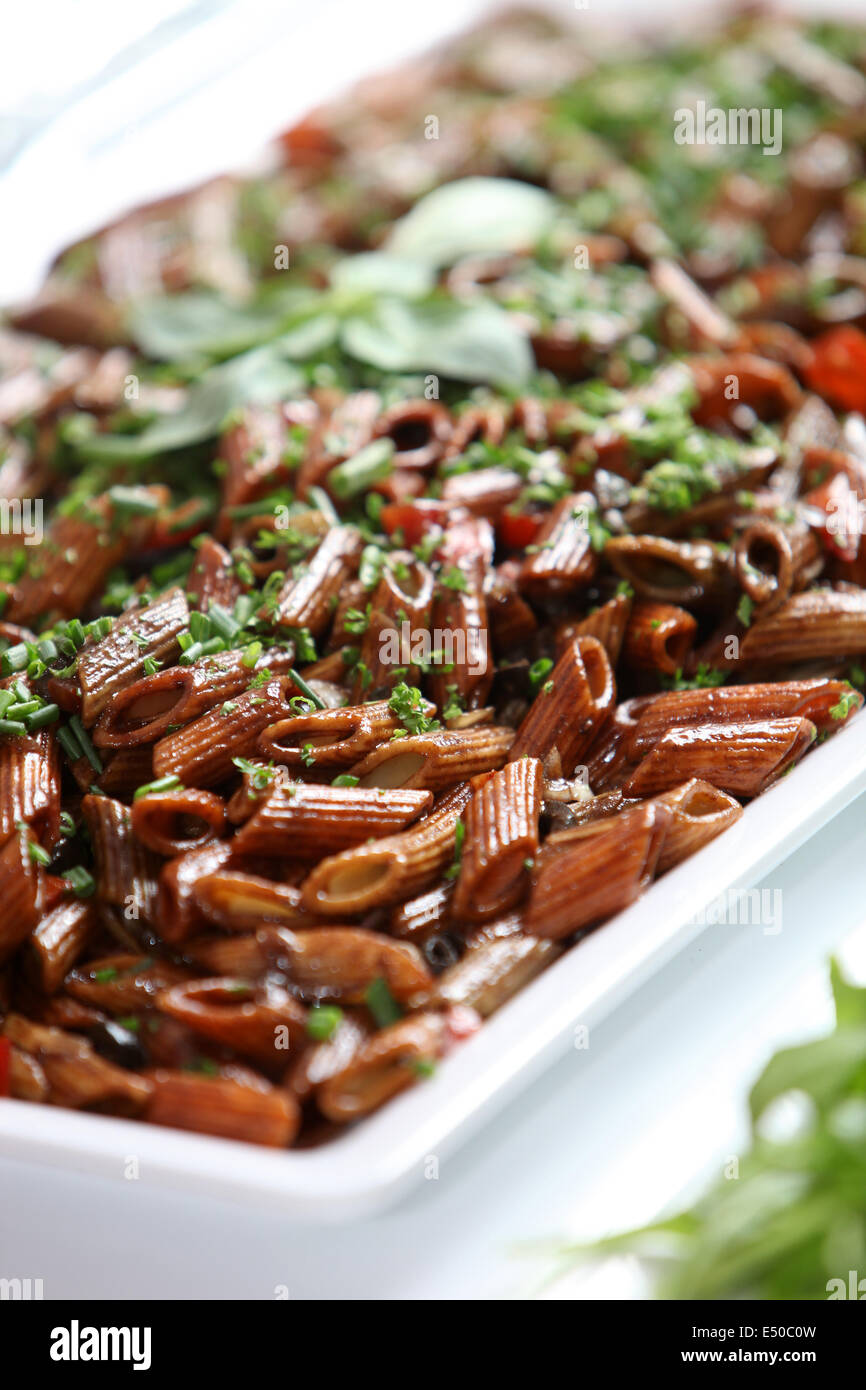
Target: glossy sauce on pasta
408,602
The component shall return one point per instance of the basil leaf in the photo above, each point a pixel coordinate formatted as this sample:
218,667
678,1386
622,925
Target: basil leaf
377,272
474,341
823,1069
201,324
473,217
308,338
254,378
850,1000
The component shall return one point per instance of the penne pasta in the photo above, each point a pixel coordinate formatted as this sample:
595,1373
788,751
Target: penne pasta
607,624
604,867
30,786
400,608
437,760
659,637
743,759
399,866
202,753
563,558
382,1068
683,573
570,708
240,901
22,892
335,737
826,703
127,872
310,593
700,812
308,821
172,822
491,974
58,941
152,707
145,633
254,1114
500,842
341,963
262,1022
819,623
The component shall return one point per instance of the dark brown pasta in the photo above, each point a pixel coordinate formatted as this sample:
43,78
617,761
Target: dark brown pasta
415,612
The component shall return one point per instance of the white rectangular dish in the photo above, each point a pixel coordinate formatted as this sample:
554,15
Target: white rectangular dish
376,1163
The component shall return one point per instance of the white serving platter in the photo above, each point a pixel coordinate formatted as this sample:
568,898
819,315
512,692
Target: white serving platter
112,150
378,1161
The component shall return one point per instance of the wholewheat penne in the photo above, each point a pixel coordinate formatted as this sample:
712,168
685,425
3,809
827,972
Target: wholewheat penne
659,637
118,660
818,623
742,759
262,1022
127,871
240,901
172,822
308,597
570,708
306,820
202,753
151,707
700,812
337,738
341,963
604,867
392,869
382,1068
260,1114
500,841
56,944
437,760
30,786
815,700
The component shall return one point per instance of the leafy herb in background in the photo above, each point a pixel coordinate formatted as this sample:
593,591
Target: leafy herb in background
473,217
795,1218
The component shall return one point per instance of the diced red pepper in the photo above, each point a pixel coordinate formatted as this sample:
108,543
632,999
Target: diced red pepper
518,530
414,519
5,1061
838,367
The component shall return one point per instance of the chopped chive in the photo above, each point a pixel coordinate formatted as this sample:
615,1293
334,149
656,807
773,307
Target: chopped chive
38,855
223,623
85,744
323,1022
14,659
191,654
11,726
245,607
381,1003
81,881
359,473
69,744
199,626
162,784
302,686
48,714
22,709
252,654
